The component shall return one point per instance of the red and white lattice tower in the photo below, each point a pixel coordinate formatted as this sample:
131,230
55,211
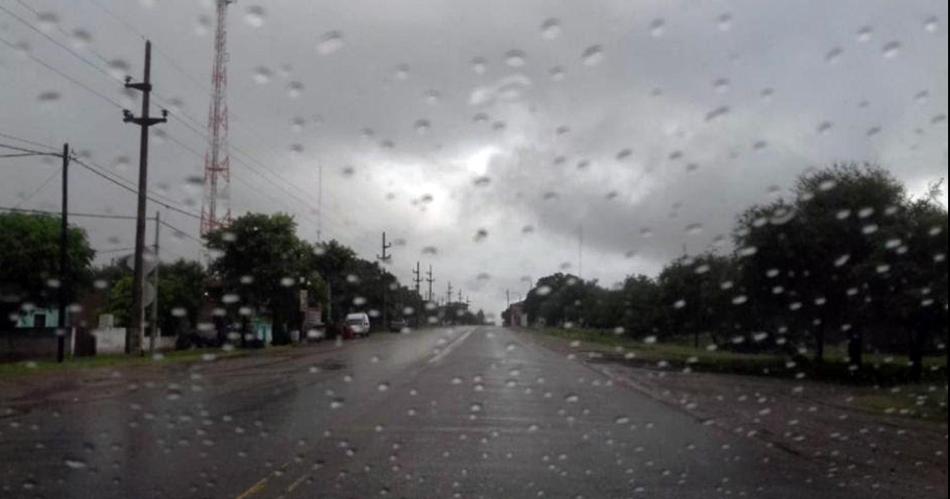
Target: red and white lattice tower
216,204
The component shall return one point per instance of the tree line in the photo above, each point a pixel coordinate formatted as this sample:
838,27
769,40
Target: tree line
257,267
851,258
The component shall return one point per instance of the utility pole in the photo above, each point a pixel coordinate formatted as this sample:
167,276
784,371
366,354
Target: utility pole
580,252
329,303
417,279
448,295
153,337
385,259
134,335
460,296
508,298
319,202
429,280
63,261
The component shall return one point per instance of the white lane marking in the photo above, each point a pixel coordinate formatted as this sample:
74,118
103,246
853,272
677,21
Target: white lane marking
451,346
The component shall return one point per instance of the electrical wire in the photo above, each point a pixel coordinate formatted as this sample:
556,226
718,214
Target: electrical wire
134,190
65,76
25,141
70,213
27,152
184,122
45,182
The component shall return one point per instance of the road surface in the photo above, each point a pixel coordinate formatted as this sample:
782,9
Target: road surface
453,412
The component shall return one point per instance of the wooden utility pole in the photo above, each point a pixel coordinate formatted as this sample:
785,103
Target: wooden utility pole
429,280
153,338
385,258
134,334
416,277
64,281
417,280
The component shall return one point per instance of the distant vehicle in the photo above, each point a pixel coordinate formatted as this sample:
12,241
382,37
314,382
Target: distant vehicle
397,325
358,323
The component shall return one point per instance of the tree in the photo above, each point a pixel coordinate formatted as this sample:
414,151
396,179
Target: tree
29,262
332,259
552,299
642,306
261,264
907,289
358,284
181,288
806,262
697,295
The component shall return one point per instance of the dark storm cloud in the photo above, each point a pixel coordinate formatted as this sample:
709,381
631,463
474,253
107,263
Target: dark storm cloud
458,127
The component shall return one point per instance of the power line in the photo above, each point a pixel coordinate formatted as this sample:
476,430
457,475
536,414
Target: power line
112,250
72,214
27,152
134,190
62,31
64,75
45,182
55,41
195,125
178,231
196,82
160,98
181,232
27,141
100,171
109,177
192,128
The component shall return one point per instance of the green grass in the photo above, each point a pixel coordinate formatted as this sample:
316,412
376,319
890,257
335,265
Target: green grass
21,368
915,401
893,395
680,354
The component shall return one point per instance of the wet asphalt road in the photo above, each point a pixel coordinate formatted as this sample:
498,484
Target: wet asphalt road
460,412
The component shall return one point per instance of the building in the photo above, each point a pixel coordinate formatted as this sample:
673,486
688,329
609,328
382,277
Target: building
515,316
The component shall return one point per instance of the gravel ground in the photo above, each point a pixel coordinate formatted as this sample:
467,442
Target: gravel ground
812,421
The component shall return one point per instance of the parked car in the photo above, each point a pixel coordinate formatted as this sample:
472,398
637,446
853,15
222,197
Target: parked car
358,323
397,325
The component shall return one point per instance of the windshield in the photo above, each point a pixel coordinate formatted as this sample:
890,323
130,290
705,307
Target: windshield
423,248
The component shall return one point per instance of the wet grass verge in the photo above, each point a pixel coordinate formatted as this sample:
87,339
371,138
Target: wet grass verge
893,393
28,367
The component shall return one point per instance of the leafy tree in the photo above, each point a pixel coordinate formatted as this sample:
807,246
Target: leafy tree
553,300
642,307
700,295
261,263
908,288
181,293
29,262
332,259
806,262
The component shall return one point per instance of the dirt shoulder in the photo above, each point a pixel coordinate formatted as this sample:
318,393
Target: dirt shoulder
823,423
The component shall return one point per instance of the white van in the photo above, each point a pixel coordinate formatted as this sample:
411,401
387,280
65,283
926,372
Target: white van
359,323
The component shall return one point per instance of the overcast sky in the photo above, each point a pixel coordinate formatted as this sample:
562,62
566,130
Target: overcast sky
497,141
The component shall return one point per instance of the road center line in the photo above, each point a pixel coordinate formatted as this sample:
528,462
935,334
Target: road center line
257,487
297,482
451,346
